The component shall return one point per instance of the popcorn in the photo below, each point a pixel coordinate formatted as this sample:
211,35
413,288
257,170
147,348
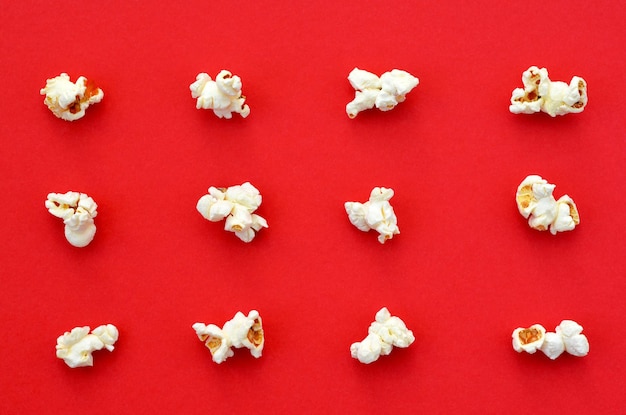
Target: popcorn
552,97
236,204
223,95
383,334
574,341
568,337
77,211
239,332
528,340
385,92
75,347
376,213
68,100
536,203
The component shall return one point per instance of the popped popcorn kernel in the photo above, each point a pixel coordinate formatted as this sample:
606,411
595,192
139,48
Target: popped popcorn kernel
552,97
223,95
68,100
385,92
575,342
75,347
78,212
530,339
384,333
536,203
236,204
377,213
239,332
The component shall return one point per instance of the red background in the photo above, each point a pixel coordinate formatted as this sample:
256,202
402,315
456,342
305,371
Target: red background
464,272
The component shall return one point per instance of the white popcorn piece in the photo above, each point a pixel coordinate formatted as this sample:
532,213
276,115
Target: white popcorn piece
75,347
377,213
567,338
536,203
77,211
223,95
575,342
552,97
236,204
68,100
385,92
384,333
530,339
553,345
239,332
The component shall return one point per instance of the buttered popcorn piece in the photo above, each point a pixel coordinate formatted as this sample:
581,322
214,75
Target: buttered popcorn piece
239,332
75,347
223,95
567,338
377,213
384,333
77,211
536,203
236,204
68,100
552,97
384,93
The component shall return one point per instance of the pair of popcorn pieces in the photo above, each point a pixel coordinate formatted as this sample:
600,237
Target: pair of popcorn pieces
68,100
237,205
536,203
377,213
241,331
75,346
552,97
384,333
223,95
384,92
78,212
567,337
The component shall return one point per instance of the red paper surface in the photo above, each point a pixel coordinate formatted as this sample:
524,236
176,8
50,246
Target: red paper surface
465,271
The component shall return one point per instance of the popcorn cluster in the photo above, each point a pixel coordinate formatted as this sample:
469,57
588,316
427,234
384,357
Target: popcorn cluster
239,332
536,203
377,213
385,92
68,100
77,211
223,95
236,204
383,334
75,347
568,337
552,97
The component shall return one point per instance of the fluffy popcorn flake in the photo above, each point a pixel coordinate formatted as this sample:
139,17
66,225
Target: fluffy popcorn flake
384,333
236,204
68,100
383,93
377,213
78,212
575,342
552,97
553,345
536,203
215,340
529,339
75,347
240,332
223,95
